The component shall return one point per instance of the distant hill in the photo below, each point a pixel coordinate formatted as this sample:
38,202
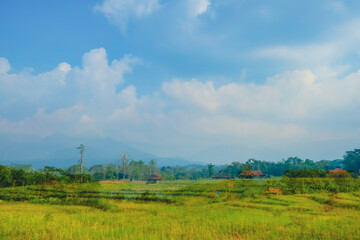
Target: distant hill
60,151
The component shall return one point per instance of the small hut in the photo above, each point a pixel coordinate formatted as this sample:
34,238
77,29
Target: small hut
154,178
252,173
338,171
222,175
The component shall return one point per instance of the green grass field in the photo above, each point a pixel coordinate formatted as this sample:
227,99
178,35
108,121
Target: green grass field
175,210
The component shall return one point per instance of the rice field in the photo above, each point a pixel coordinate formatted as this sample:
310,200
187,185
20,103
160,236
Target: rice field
175,210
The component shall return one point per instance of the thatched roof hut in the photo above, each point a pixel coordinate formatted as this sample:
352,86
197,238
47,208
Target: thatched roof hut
252,173
338,171
154,178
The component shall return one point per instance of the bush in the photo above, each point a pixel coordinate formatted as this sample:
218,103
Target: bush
316,185
5,177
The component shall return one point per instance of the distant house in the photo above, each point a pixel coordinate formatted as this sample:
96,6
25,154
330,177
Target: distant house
222,175
338,171
251,173
154,178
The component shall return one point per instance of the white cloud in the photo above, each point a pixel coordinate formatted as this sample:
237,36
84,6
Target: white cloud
58,74
4,65
120,11
338,44
288,107
44,124
192,92
324,52
29,88
93,83
99,78
180,16
197,7
290,97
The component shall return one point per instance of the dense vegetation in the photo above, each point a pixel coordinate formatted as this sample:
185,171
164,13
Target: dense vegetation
20,175
138,170
25,175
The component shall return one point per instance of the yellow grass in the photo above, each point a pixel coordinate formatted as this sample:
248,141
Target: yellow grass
306,216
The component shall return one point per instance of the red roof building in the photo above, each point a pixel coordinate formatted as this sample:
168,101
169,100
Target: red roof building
338,171
251,173
154,178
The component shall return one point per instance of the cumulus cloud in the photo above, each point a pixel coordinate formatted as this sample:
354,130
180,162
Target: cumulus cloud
93,99
120,11
292,101
193,93
97,79
93,83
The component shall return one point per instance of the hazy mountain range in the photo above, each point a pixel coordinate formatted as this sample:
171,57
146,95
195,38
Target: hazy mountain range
60,151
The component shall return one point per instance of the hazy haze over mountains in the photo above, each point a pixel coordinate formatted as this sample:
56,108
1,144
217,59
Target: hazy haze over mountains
60,150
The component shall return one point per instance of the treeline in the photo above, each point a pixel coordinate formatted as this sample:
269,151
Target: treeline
333,184
139,170
292,167
22,175
279,168
125,168
350,162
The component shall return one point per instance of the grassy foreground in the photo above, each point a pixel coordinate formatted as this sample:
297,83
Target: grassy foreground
201,216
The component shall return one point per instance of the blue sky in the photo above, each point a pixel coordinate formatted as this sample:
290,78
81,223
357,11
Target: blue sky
177,77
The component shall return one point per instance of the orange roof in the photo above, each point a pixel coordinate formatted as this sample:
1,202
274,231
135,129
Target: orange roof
155,177
252,173
338,171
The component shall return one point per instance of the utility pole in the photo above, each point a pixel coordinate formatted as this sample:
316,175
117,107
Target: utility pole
81,149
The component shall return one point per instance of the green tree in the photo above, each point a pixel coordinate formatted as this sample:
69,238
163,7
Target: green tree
98,172
352,160
210,170
26,167
137,169
111,170
75,169
5,176
19,177
152,167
